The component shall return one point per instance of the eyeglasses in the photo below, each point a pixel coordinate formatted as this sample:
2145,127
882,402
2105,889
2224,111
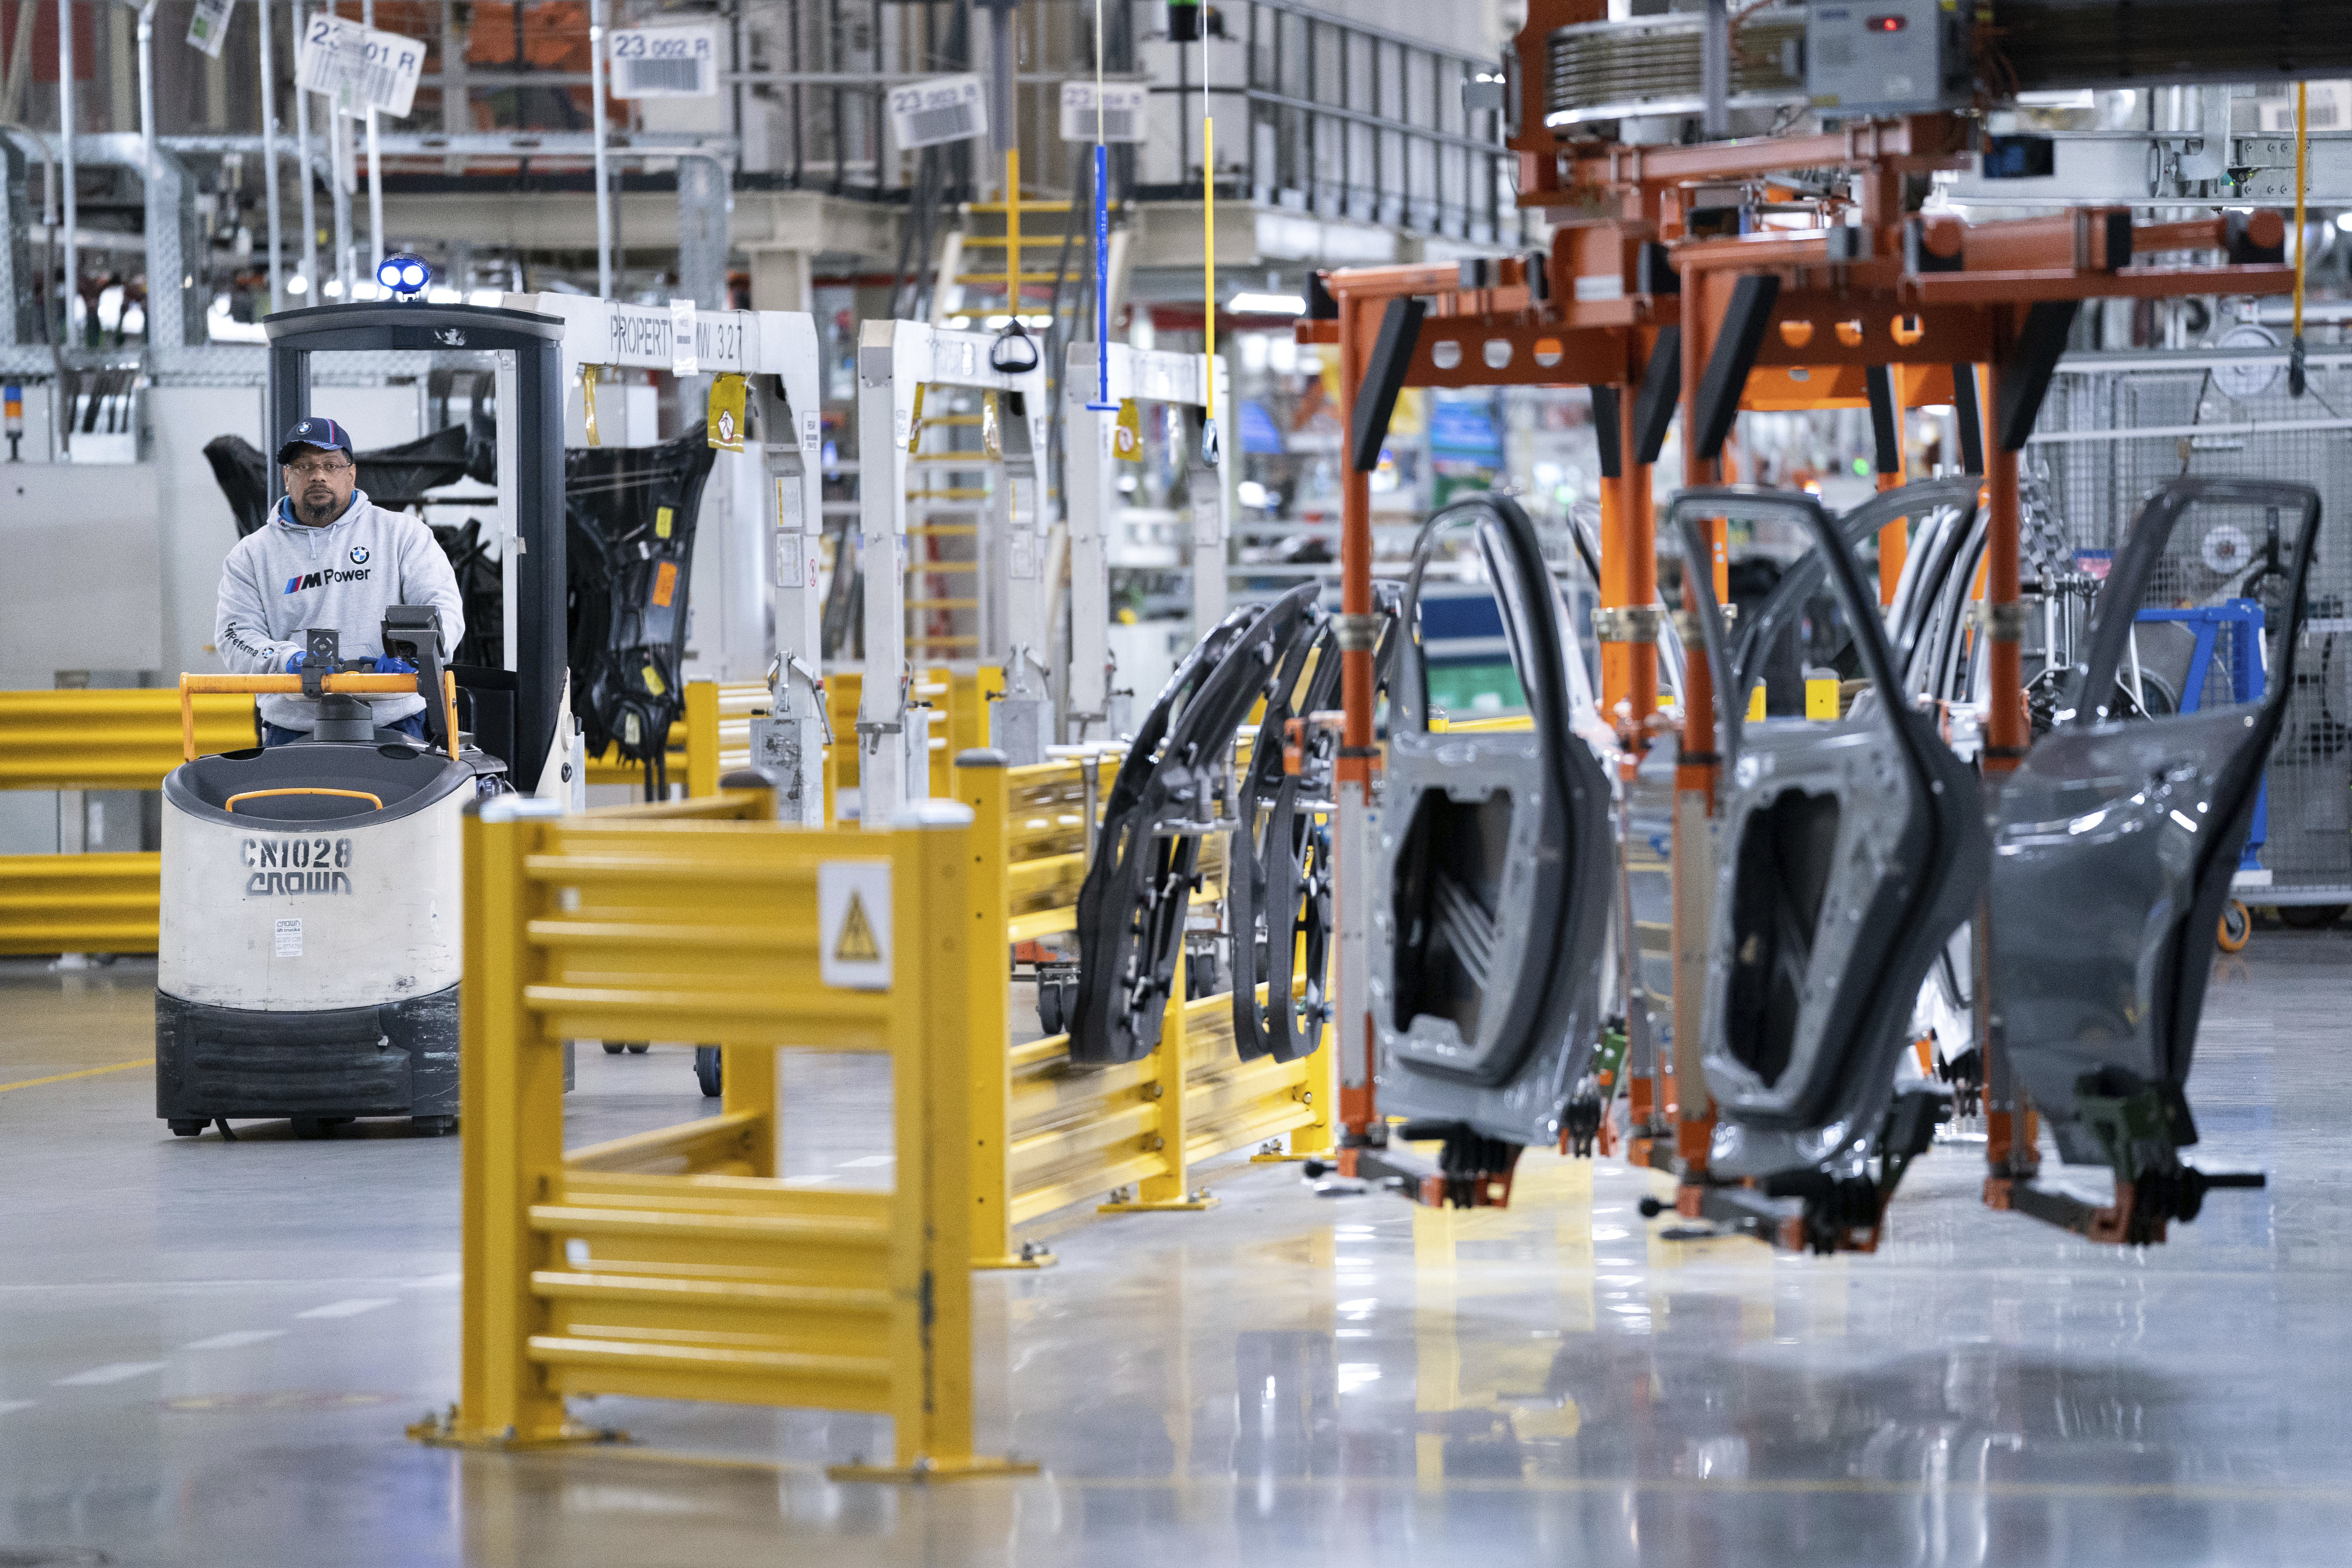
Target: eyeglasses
316,470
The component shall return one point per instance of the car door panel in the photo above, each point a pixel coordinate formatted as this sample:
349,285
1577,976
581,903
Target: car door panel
1492,880
1848,852
2115,842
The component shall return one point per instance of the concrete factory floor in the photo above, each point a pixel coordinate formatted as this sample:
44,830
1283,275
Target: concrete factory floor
207,1353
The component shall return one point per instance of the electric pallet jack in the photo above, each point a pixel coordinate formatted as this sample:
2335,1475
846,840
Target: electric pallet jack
310,934
312,907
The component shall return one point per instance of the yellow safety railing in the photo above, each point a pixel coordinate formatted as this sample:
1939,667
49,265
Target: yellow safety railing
1047,1133
79,903
110,738
97,740
674,1264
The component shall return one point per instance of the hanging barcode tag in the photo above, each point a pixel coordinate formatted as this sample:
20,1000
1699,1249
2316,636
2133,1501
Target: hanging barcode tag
359,68
208,28
1122,111
683,359
944,109
665,62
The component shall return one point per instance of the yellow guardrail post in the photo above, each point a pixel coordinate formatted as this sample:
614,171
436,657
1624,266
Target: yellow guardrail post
510,1108
701,738
932,1229
981,784
1168,1189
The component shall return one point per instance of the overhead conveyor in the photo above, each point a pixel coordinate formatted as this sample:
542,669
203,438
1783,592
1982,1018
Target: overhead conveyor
1492,891
1174,789
1849,851
2117,842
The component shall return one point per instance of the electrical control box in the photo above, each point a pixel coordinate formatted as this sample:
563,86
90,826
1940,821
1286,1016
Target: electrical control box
1886,57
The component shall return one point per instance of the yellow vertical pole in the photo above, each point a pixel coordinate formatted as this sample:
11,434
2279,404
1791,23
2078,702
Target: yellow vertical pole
1170,1188
1208,247
701,738
931,1230
1012,232
511,1079
1320,1090
980,783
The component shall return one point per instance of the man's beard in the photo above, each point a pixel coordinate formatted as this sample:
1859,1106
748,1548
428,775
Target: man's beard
319,510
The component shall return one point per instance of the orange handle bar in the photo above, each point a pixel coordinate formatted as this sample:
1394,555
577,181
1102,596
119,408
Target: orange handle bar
372,799
347,685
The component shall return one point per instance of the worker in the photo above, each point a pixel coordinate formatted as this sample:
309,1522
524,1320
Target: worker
329,557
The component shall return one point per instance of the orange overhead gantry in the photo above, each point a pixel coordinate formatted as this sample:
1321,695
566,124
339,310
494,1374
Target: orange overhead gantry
1638,302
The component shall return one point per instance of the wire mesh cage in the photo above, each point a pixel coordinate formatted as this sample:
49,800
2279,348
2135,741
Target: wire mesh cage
2114,429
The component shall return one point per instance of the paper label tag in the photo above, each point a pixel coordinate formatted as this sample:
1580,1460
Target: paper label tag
1023,551
852,920
665,62
208,28
358,68
788,559
290,939
944,109
1122,111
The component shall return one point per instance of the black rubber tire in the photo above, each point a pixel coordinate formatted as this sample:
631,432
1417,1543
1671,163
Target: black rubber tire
709,1071
614,1047
310,1128
2310,917
183,1127
641,1050
1049,1008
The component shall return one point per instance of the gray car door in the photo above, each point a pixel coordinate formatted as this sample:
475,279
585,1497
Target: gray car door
1848,852
1493,882
2117,840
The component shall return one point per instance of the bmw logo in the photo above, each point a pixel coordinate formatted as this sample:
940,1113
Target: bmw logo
359,554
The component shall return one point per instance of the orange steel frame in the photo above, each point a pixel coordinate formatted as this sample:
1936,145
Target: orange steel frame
1625,277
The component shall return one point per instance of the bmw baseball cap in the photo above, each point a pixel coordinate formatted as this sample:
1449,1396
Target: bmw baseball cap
321,433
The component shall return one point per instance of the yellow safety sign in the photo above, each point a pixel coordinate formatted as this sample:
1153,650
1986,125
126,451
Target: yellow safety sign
725,421
853,918
1126,438
856,944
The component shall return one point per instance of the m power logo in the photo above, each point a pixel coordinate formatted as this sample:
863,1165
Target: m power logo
302,580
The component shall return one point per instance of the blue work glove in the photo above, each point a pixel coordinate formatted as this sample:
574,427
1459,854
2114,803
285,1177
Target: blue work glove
294,661
387,665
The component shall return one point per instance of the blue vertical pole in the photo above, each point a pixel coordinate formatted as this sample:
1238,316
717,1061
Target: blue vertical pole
1102,403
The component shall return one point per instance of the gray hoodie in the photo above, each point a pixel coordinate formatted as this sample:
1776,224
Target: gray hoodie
289,577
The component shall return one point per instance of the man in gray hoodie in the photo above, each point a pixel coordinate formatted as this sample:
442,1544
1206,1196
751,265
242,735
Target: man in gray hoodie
329,557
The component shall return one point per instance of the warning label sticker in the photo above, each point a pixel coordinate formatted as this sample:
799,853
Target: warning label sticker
853,905
290,939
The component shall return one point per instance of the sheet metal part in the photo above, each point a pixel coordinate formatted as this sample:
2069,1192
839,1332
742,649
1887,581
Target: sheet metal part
1492,878
2117,842
1850,852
